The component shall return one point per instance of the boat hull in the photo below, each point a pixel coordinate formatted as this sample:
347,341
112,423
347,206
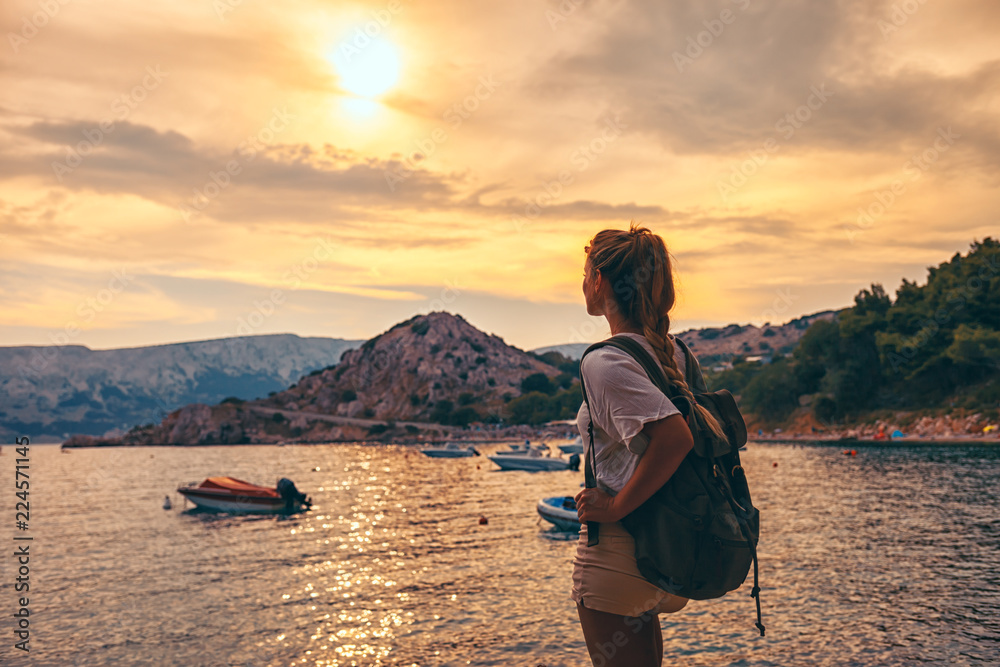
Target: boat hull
529,463
447,454
228,503
554,511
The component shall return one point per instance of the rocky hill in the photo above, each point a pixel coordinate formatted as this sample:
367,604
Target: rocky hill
720,344
406,372
57,390
717,346
431,368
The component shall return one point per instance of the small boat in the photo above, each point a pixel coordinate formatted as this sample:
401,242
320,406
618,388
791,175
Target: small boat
520,449
560,511
575,447
533,459
228,494
451,450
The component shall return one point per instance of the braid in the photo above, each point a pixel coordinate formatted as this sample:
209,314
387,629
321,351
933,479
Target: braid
638,266
663,345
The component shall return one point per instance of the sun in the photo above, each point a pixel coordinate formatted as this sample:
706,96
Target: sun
367,66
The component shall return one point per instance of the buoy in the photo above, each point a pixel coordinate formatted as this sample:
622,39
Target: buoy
775,464
166,502
483,521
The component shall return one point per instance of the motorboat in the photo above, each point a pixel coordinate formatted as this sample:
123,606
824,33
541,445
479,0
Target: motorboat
451,450
521,449
560,511
533,458
575,447
228,494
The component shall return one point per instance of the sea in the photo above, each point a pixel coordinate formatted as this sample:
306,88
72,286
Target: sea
887,557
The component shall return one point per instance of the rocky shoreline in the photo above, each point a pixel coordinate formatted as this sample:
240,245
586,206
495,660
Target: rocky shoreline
927,430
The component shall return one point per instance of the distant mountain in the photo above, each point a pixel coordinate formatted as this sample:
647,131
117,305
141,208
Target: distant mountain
569,350
428,370
57,390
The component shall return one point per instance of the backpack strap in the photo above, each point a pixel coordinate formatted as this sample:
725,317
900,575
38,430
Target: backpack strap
692,371
589,469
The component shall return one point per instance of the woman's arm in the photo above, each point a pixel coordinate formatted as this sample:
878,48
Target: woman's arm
669,442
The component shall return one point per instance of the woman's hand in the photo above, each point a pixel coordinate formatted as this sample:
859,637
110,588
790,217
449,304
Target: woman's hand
596,505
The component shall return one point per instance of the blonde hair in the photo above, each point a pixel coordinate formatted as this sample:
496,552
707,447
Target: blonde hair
637,266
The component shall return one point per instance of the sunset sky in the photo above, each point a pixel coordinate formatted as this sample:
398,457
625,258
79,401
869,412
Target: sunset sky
175,171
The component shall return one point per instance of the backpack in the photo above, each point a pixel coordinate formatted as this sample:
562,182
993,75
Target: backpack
697,535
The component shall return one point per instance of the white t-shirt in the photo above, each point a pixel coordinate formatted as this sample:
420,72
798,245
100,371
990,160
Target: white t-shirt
624,400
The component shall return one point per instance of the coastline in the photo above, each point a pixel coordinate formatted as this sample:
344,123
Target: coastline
420,442
887,442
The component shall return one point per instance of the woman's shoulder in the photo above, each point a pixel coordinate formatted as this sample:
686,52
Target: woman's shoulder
605,355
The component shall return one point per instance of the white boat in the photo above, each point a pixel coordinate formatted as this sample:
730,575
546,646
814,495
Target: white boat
560,511
533,458
575,447
451,450
520,449
228,494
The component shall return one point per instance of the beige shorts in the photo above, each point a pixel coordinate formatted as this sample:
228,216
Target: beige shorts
606,577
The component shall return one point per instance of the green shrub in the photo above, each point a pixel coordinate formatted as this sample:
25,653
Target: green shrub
537,382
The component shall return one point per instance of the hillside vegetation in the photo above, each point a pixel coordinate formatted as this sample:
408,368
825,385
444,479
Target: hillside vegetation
935,345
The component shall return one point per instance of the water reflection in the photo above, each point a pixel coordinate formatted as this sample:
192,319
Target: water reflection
890,557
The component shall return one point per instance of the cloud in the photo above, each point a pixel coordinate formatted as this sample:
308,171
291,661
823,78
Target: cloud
700,86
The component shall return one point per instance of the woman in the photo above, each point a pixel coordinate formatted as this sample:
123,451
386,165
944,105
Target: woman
640,439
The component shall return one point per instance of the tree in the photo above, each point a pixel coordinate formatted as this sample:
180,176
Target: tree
537,382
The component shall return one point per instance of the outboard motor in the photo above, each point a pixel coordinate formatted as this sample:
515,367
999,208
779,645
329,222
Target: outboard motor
291,495
574,462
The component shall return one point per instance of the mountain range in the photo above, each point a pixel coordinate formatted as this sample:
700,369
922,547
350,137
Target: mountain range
418,377
53,391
